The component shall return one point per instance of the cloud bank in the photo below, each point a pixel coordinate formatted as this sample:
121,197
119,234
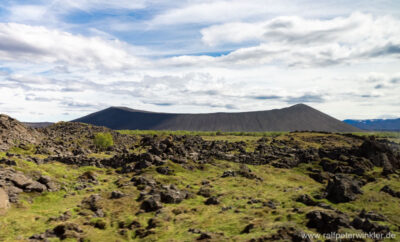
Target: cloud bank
192,58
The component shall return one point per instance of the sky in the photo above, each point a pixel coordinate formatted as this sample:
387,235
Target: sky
60,60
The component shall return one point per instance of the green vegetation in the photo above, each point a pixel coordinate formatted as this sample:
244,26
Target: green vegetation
103,140
35,212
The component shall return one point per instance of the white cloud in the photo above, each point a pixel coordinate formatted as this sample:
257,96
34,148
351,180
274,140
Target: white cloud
275,62
236,32
211,12
24,43
356,28
205,12
295,41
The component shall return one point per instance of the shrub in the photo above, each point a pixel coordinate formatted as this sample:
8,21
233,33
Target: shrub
103,140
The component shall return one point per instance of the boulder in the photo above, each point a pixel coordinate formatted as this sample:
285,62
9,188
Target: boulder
93,203
151,204
164,170
20,180
307,200
372,216
61,231
285,234
117,194
212,201
327,222
172,195
390,191
88,177
366,226
204,191
35,187
342,189
228,173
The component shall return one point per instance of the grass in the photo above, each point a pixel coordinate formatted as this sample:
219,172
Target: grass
282,186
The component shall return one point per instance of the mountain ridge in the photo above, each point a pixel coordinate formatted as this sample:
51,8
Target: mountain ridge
375,124
296,117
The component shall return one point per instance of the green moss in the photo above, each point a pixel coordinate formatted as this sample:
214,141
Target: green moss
282,186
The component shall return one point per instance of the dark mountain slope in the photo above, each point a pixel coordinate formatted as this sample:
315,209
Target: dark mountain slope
297,117
376,124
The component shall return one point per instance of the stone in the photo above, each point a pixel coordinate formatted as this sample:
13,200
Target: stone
327,222
35,187
212,201
247,229
307,200
342,189
205,192
366,226
390,191
164,170
117,194
285,234
151,204
173,195
20,180
228,173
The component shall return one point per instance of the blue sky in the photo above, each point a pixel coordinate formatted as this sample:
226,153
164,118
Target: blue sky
63,59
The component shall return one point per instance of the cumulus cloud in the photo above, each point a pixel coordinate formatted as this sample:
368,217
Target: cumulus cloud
306,42
210,12
24,43
275,60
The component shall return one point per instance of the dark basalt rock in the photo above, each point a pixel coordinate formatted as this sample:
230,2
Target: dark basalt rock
372,216
366,226
8,162
342,188
173,195
212,201
61,231
326,222
285,234
117,194
151,204
88,177
164,170
228,174
307,200
247,229
205,192
93,203
390,191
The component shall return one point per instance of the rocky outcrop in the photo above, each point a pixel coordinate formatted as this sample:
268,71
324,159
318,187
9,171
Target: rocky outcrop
62,232
285,234
390,191
342,188
327,221
15,182
153,195
13,133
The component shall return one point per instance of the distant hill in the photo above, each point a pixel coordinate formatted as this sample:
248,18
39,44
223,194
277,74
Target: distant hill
37,124
298,117
376,124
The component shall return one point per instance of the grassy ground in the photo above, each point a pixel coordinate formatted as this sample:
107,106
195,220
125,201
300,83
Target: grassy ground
31,215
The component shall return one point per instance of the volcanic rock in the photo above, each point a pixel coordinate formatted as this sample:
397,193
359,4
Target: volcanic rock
342,189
